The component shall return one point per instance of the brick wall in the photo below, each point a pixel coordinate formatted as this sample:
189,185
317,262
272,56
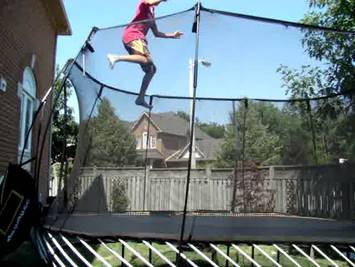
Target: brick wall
25,29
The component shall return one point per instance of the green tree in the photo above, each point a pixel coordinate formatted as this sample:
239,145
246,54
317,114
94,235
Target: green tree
110,142
334,48
63,128
297,145
213,129
252,136
333,119
268,134
184,115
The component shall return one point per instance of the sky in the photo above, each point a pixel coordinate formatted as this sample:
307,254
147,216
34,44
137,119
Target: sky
261,49
84,14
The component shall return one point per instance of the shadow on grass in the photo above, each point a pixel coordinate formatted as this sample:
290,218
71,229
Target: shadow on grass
25,256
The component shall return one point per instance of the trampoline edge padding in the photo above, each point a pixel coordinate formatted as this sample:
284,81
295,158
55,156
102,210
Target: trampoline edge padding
218,229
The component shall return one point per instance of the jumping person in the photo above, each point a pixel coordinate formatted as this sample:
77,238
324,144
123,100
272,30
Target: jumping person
134,40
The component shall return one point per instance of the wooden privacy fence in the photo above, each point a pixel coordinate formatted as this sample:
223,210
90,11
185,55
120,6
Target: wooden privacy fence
319,191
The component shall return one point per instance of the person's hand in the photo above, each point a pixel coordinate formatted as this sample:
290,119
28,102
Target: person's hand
177,35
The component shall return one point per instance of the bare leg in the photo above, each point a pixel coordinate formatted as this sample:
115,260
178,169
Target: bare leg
149,70
138,59
147,66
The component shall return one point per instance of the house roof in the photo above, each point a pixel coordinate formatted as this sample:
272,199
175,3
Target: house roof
207,147
151,154
169,122
58,16
210,147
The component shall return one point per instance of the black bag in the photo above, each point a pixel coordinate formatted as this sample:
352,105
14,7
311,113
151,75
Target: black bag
18,208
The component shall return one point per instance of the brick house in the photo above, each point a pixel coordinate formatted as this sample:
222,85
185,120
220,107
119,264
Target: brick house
169,139
28,40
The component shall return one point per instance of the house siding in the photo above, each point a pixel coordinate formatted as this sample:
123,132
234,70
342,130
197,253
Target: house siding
25,29
166,143
142,127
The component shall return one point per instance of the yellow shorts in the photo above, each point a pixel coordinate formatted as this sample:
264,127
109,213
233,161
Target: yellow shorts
138,47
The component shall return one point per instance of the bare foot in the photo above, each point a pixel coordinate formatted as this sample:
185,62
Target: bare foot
111,60
141,102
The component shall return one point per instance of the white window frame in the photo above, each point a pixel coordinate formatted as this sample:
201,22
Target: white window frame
153,142
144,140
138,142
27,93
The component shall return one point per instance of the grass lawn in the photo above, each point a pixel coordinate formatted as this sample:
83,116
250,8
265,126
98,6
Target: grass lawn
24,256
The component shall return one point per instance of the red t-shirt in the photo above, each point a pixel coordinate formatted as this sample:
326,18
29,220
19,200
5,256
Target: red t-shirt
139,30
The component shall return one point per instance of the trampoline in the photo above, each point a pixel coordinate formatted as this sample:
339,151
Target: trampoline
271,172
250,138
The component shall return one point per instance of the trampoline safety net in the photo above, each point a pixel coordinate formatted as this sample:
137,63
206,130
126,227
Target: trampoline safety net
255,116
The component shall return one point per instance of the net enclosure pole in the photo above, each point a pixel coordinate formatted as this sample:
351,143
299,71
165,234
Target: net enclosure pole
196,30
66,71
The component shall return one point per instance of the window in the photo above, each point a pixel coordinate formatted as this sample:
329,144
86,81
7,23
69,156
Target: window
27,104
144,140
152,141
138,142
27,94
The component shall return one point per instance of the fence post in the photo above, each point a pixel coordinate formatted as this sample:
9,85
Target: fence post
145,188
210,189
274,187
208,199
94,171
271,172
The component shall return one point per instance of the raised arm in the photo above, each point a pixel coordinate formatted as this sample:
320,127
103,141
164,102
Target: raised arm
159,34
153,2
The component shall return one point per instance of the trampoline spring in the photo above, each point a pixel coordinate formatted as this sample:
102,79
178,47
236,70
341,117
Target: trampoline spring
122,253
150,253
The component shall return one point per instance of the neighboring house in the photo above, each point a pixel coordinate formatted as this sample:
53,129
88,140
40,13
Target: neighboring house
28,41
169,140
